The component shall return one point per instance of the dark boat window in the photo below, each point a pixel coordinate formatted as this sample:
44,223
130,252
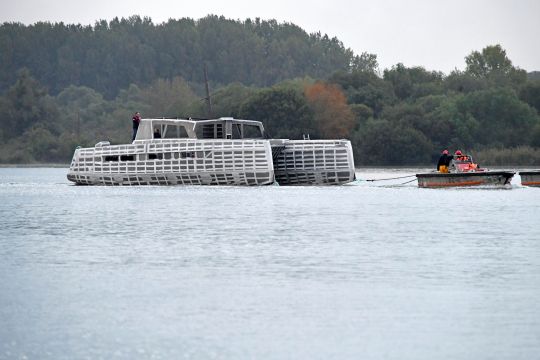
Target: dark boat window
127,157
208,131
187,154
182,132
252,132
236,131
111,158
219,131
155,156
171,132
175,132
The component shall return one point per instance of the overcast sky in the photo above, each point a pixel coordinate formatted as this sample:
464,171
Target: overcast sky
436,34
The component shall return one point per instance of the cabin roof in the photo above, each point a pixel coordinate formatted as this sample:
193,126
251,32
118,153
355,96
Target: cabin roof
194,122
147,126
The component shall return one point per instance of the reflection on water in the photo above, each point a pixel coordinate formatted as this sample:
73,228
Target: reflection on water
369,270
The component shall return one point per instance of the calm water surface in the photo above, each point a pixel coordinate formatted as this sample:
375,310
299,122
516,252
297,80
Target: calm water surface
367,270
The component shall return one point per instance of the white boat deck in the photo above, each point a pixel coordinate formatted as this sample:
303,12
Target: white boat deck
223,156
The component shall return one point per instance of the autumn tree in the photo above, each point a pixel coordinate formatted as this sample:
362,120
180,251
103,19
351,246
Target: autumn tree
332,116
365,88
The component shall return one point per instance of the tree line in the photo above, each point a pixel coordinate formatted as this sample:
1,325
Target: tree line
398,116
109,56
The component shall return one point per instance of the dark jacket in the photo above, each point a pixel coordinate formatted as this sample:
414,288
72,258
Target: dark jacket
444,160
136,120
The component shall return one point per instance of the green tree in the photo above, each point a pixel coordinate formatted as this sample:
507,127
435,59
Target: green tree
464,82
365,88
284,113
530,93
503,119
226,101
413,82
382,143
362,113
493,64
168,98
491,59
110,56
365,62
27,103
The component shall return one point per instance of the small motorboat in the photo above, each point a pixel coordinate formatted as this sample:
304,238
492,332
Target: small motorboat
464,172
530,178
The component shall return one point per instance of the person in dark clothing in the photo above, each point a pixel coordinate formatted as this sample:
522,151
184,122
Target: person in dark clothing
136,121
444,162
157,134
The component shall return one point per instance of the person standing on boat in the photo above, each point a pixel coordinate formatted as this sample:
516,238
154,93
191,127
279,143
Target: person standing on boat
444,162
136,121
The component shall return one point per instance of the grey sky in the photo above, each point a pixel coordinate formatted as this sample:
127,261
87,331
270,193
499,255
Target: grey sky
434,34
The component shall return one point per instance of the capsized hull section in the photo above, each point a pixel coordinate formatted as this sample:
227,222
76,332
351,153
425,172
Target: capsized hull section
313,162
175,162
530,178
481,178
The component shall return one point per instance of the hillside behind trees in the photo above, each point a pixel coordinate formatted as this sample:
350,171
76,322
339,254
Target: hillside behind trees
67,85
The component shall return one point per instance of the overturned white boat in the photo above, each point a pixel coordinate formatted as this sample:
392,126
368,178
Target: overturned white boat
222,151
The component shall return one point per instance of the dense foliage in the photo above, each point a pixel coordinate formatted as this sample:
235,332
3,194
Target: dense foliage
68,85
110,56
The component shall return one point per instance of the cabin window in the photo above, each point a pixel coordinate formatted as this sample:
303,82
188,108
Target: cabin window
182,132
187,154
252,132
171,132
236,131
127,157
210,131
111,158
155,156
219,131
175,132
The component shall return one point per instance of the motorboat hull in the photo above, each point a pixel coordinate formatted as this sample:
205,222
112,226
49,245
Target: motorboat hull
480,178
530,178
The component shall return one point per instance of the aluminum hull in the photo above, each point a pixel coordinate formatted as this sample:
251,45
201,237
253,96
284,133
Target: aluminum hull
215,162
222,151
530,178
480,178
175,162
313,162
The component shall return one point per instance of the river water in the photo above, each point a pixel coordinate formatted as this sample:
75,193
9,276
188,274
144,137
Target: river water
371,270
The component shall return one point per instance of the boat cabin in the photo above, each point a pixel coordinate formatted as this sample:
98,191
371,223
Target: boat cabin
463,163
222,128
